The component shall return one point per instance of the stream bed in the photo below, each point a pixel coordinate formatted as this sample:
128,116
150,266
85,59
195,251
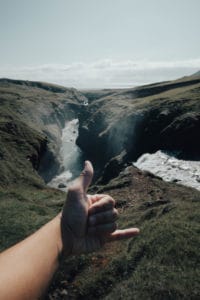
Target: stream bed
71,155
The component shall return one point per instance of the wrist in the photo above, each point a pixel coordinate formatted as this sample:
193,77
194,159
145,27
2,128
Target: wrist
66,238
58,240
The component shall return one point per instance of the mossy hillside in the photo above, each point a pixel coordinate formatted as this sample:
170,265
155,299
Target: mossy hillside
20,151
40,105
32,115
24,209
161,263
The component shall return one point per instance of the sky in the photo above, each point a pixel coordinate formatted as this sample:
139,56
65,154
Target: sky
99,43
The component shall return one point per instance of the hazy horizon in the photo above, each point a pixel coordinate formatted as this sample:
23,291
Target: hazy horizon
99,44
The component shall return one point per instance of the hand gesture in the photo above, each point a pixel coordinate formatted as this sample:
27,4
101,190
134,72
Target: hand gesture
89,221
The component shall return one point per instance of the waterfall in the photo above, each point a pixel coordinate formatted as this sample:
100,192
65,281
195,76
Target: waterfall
71,155
171,169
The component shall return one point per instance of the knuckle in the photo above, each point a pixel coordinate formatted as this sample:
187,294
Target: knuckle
112,227
93,210
74,189
70,190
115,213
111,201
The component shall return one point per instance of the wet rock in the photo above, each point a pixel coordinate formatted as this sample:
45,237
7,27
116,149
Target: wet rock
61,186
142,120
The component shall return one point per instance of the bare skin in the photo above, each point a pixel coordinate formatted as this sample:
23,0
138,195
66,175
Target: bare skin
86,223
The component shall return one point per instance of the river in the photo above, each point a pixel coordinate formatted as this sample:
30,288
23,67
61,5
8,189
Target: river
169,168
71,155
160,163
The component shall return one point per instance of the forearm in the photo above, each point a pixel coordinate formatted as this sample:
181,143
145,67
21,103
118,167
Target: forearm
28,267
87,222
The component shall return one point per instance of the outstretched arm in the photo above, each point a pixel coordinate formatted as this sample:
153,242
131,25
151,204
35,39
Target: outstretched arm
27,268
85,224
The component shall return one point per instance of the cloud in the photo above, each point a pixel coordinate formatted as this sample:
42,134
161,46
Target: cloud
104,73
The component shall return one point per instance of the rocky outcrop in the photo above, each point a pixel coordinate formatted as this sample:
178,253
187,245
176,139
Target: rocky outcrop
145,119
32,115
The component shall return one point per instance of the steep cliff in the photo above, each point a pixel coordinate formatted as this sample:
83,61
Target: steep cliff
145,119
32,115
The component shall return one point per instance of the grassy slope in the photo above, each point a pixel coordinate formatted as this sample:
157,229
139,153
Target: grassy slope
161,263
29,111
19,145
23,209
184,93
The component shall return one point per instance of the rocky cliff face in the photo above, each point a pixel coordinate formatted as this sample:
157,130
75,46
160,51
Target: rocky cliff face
115,128
129,123
32,115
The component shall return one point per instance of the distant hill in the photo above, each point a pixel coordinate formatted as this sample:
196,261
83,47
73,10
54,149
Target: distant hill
196,74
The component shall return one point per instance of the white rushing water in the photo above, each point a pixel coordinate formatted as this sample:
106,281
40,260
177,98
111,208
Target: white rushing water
71,156
171,169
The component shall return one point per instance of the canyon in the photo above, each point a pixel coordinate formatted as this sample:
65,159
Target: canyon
115,128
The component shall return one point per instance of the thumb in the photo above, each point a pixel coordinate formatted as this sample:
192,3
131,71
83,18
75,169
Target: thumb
82,183
86,176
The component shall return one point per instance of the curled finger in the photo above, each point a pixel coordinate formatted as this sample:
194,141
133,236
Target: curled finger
108,216
96,197
105,203
102,229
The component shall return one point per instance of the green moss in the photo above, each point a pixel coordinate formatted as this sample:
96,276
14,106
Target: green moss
23,210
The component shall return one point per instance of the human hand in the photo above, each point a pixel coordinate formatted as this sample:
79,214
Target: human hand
89,221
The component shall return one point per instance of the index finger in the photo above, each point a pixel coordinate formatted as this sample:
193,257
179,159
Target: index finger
96,197
105,203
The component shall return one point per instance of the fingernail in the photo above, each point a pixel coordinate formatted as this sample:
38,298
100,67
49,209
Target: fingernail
86,162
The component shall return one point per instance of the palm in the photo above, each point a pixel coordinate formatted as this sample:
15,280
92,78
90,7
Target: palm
76,216
89,221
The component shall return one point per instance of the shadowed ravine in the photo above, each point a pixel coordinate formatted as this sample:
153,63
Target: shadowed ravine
71,157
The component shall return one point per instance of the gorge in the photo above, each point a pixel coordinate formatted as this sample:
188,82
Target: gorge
71,157
115,129
38,121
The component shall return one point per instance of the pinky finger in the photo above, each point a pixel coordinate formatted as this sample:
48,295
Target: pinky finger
122,234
